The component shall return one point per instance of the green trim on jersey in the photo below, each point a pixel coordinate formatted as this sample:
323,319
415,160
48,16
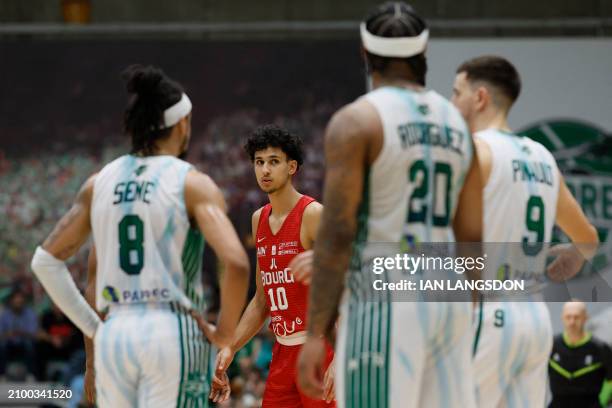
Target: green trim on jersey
366,367
192,265
195,349
576,374
363,213
581,342
195,379
479,327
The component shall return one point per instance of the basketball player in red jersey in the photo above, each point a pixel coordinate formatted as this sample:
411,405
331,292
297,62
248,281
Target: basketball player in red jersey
282,229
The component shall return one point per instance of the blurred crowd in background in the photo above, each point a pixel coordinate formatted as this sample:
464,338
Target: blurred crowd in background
37,343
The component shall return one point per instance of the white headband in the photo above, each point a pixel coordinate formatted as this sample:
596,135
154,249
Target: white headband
177,111
401,47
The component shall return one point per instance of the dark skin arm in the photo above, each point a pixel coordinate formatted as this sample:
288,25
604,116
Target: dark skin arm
353,140
347,141
90,296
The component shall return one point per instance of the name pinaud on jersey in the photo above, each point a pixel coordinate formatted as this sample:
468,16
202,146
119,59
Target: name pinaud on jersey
539,172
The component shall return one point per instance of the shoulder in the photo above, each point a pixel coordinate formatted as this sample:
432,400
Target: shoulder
200,183
86,191
312,215
255,218
312,211
199,187
356,119
558,341
600,344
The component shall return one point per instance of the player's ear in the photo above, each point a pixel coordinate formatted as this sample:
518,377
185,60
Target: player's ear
483,98
183,125
293,166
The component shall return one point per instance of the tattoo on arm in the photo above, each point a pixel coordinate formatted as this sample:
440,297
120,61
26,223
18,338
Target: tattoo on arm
345,162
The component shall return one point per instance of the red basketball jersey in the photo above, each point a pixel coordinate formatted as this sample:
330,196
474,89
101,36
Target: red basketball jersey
286,298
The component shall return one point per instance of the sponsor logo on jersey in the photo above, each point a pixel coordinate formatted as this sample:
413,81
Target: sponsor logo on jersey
140,169
556,357
289,244
273,250
424,109
261,251
582,152
128,296
110,294
145,295
588,360
283,328
273,264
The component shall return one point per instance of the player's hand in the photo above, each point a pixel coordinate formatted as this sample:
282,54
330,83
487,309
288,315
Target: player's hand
225,356
301,267
220,388
210,330
310,367
568,262
329,383
90,385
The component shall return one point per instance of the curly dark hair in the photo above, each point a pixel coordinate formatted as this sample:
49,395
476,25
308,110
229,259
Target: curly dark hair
151,91
275,136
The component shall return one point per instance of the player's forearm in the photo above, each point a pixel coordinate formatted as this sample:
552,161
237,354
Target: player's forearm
90,297
251,322
57,281
331,260
586,240
234,288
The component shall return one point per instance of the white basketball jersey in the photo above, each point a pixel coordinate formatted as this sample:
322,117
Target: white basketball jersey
411,189
145,249
520,205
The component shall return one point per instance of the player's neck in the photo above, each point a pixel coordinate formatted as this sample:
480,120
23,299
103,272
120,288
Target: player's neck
284,199
169,146
398,81
575,337
490,120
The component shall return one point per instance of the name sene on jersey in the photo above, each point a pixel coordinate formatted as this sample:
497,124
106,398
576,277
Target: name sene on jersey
431,134
130,191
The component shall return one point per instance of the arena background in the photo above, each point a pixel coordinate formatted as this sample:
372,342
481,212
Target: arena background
293,63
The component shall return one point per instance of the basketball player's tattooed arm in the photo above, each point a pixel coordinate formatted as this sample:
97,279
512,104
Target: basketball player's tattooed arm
574,223
347,154
349,148
205,203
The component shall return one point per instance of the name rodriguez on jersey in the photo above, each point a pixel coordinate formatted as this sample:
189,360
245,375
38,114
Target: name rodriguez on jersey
450,285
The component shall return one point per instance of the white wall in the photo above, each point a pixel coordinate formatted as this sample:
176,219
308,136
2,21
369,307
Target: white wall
561,77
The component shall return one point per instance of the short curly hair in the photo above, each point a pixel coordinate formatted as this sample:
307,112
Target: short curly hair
271,135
